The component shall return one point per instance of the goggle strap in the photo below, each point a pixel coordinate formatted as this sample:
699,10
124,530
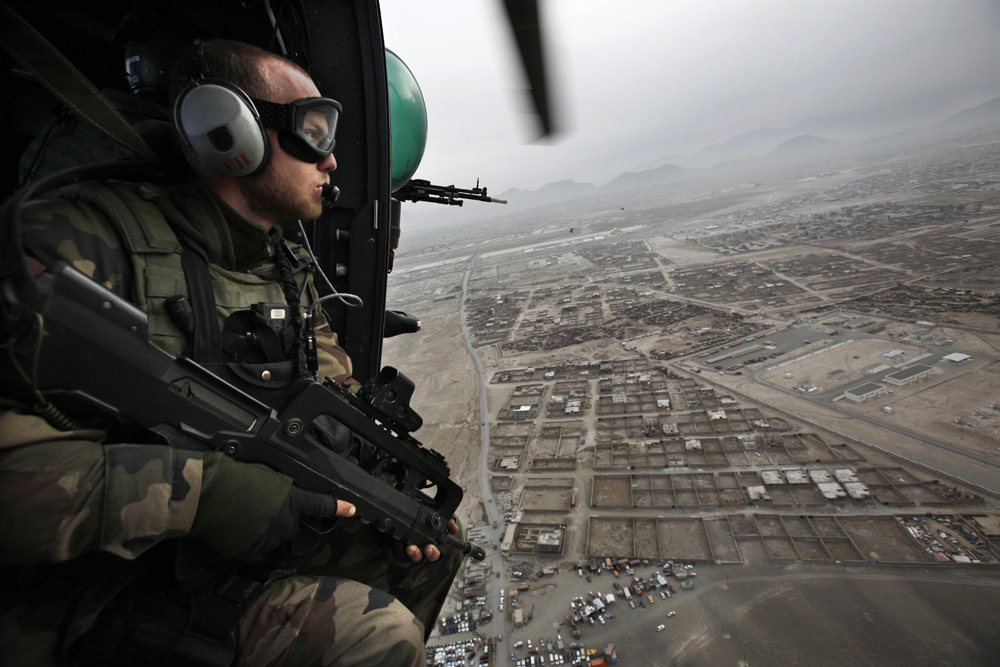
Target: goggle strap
272,114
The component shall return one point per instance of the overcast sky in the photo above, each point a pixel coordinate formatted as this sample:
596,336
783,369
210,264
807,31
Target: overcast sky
639,80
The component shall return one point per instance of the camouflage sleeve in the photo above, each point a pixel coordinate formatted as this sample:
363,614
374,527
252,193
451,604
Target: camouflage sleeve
334,363
79,234
62,496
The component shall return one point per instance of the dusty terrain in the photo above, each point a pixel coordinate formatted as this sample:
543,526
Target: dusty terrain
446,396
667,284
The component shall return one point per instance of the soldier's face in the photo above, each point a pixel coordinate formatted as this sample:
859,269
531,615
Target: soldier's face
288,188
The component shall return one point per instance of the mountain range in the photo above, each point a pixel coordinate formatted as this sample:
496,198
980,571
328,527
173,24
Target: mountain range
764,147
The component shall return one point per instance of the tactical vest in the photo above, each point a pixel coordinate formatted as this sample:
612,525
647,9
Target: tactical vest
155,252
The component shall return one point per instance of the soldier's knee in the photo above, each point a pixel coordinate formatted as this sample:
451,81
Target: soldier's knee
383,633
401,636
330,622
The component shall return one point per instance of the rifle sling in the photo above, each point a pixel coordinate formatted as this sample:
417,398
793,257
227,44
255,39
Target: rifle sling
27,46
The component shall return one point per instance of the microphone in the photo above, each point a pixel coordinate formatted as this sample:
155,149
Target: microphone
331,193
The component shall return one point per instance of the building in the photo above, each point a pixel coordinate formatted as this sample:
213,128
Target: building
857,490
864,392
909,375
858,322
956,357
550,541
831,490
796,476
772,477
844,475
819,476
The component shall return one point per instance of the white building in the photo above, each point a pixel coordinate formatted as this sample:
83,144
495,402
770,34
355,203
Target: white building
857,490
832,490
844,475
909,375
864,392
820,476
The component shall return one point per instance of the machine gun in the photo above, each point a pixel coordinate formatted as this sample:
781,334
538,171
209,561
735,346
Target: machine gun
417,190
95,350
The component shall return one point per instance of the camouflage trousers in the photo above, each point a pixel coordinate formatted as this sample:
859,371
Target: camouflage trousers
370,608
328,621
375,605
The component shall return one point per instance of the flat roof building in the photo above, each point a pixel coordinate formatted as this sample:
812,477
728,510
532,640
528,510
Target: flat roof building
550,541
858,322
796,476
844,475
832,490
820,476
857,490
864,392
909,375
771,477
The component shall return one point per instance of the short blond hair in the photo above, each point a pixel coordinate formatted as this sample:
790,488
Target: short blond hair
241,64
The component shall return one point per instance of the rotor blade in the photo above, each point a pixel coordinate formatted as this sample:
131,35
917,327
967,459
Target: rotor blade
523,18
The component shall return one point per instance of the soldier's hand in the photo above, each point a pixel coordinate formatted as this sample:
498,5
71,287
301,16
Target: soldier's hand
431,551
299,504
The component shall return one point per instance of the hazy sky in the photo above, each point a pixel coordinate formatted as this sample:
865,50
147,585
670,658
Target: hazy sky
638,80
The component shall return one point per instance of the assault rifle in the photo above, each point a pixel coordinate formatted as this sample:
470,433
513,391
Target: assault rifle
95,350
417,190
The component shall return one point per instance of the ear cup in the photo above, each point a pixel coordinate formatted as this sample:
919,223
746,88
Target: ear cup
218,121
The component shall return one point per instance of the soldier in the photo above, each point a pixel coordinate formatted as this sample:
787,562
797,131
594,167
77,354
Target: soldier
122,553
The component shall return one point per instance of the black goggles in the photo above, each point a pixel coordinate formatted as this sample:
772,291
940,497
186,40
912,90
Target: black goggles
307,128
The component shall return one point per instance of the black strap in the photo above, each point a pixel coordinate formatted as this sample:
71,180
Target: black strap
206,346
66,82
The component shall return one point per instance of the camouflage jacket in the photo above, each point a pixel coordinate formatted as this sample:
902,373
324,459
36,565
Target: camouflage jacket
68,493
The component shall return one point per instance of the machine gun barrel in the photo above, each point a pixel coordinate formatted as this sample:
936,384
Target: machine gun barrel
418,190
96,351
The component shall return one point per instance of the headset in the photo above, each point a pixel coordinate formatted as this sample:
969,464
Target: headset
218,121
225,127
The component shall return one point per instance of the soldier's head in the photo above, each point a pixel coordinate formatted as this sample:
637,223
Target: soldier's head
258,131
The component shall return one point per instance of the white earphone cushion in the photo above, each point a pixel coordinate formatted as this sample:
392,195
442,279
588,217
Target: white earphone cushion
222,129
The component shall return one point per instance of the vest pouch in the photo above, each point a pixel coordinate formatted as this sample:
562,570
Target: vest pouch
254,336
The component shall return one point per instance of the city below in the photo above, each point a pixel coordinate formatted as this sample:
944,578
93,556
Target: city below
739,415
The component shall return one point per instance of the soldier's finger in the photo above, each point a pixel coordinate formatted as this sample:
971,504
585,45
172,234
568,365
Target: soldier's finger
432,552
452,527
413,551
345,508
